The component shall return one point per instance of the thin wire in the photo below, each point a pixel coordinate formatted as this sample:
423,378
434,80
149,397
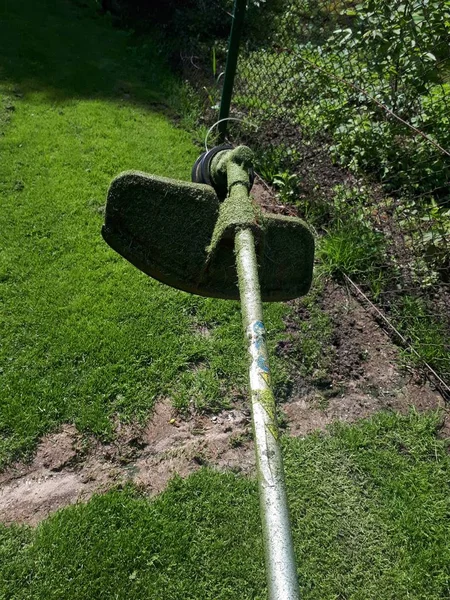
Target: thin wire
402,337
221,121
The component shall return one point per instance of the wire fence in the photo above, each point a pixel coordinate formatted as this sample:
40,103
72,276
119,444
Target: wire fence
352,106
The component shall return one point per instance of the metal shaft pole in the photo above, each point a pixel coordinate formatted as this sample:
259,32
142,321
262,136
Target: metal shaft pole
230,68
279,550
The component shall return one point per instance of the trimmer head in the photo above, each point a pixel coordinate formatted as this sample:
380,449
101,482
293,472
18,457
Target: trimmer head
180,234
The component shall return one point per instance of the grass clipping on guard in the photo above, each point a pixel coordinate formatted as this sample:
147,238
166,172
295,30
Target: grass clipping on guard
180,234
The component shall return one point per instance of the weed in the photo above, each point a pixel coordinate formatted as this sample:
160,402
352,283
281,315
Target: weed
351,249
429,240
239,439
282,419
352,245
286,183
271,161
424,332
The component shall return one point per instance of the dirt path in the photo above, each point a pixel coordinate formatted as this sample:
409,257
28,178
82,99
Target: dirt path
69,468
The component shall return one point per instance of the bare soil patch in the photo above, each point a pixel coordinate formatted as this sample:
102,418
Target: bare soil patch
364,376
265,197
70,468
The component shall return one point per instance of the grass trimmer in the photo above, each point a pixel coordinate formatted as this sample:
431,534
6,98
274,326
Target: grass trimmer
209,238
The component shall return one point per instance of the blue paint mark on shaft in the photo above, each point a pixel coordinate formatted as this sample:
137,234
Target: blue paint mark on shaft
262,364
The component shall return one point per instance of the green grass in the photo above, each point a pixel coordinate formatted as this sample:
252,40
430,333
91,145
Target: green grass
313,341
353,249
369,507
182,545
84,335
425,332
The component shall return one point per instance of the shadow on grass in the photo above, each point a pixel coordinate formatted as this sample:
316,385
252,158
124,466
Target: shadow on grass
67,49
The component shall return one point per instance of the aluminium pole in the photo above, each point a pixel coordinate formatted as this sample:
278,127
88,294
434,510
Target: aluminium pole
281,571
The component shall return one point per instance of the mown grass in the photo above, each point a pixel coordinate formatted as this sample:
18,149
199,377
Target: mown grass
369,507
84,335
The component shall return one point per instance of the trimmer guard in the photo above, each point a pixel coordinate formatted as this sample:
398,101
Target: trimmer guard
165,228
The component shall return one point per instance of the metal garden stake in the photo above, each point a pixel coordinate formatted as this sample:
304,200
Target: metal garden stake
210,238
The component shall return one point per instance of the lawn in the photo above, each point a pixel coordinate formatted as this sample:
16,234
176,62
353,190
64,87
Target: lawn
84,335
